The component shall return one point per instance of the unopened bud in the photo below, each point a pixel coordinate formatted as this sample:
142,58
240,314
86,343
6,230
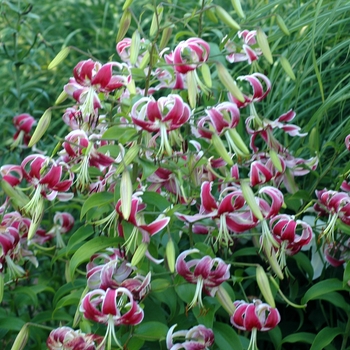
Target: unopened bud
156,19
211,15
59,58
225,300
264,286
124,25
18,198
206,75
238,8
21,339
192,88
237,139
128,158
126,194
287,67
221,149
226,18
264,45
228,82
271,257
166,35
127,4
314,140
170,255
275,160
282,25
250,199
145,60
62,97
41,128
139,254
135,47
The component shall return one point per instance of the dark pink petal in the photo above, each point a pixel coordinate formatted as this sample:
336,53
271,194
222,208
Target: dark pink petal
155,226
208,201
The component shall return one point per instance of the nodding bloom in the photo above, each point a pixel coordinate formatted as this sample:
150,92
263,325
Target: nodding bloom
196,338
112,307
347,142
123,49
66,338
336,205
285,231
23,124
259,91
189,54
162,116
63,223
12,174
247,53
337,253
91,78
108,269
207,273
253,317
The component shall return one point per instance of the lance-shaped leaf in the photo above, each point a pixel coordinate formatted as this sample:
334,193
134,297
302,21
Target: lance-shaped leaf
59,58
264,45
41,128
228,82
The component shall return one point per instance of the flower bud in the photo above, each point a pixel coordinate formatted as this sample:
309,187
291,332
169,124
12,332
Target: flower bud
314,140
275,160
145,60
211,15
221,149
226,18
59,58
41,128
134,47
156,19
124,25
282,25
21,339
206,75
238,8
139,254
228,82
287,67
250,199
237,139
264,45
264,285
126,194
192,88
165,37
170,255
128,158
18,198
127,4
62,97
225,300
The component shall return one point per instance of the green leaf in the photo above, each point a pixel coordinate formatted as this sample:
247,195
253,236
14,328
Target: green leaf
301,337
96,200
155,199
206,317
11,323
336,299
275,335
346,276
79,236
184,290
304,264
68,287
120,134
325,337
84,253
151,331
148,168
225,337
321,288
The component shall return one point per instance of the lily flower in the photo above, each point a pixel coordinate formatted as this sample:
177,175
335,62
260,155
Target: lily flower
253,317
207,273
196,338
162,116
63,223
66,338
107,270
247,53
112,307
12,174
23,124
90,78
